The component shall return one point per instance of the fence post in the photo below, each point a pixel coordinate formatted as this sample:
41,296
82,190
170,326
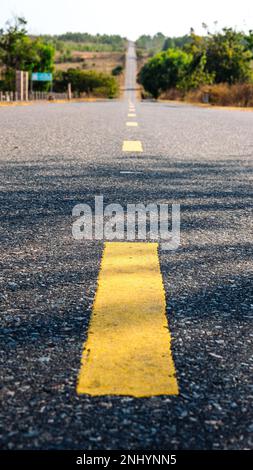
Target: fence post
20,84
26,85
69,93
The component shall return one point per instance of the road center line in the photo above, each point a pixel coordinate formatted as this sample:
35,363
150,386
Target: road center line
132,124
131,115
132,146
128,347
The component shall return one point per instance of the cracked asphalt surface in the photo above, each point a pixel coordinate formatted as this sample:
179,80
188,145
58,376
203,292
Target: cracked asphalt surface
53,156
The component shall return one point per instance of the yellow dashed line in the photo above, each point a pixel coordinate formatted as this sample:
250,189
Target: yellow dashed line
132,146
131,115
128,351
132,124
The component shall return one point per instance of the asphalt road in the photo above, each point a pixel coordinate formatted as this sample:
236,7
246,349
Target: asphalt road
53,156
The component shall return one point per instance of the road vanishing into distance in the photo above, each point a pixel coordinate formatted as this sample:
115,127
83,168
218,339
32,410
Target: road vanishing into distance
54,393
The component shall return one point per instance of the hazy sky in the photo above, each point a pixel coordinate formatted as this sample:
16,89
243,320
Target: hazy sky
129,18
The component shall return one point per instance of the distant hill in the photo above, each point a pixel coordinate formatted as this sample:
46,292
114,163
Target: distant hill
85,42
159,42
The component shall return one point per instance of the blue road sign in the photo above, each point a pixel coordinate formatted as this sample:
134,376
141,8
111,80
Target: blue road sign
42,77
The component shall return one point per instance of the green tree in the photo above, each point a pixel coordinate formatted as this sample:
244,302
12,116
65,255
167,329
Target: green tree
165,70
176,42
228,57
153,44
86,41
196,75
19,52
10,41
118,70
221,57
249,40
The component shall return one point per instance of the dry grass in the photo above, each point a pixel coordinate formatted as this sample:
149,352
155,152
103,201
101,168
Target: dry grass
172,94
240,95
103,62
99,61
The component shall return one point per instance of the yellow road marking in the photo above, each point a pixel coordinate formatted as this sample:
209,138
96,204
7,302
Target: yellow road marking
128,351
131,115
132,146
132,124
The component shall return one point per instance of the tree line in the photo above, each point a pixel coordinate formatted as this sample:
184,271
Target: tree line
19,51
89,82
113,40
215,58
160,42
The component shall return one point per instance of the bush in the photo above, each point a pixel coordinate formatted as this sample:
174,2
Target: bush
223,57
228,57
117,70
89,82
196,75
165,70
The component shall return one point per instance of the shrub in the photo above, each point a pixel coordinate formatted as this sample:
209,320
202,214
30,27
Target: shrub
223,57
165,70
117,70
89,82
228,57
196,75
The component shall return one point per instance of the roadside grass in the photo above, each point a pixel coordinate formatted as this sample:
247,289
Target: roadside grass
222,94
239,95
